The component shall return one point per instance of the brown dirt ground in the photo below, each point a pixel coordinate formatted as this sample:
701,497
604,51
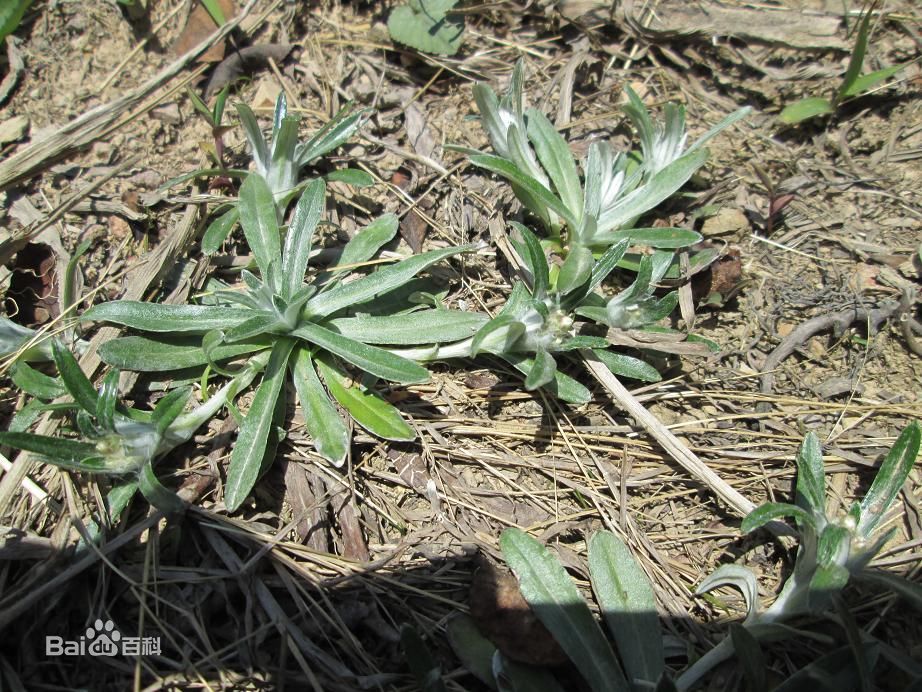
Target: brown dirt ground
310,583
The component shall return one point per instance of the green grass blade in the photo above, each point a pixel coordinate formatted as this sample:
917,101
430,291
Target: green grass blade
258,147
59,450
371,359
378,283
555,601
868,81
250,449
169,407
805,109
366,407
157,317
414,328
325,425
626,598
259,220
856,61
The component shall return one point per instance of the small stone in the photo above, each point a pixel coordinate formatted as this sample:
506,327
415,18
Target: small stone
14,129
726,220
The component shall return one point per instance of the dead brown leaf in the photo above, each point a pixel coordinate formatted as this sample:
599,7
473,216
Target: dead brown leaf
200,26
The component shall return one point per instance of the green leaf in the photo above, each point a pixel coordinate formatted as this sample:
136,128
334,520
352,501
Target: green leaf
534,259
810,491
769,511
107,400
366,243
259,220
214,9
575,343
251,446
11,13
422,327
143,354
365,406
331,135
155,492
563,386
117,499
667,238
218,230
378,283
515,175
868,81
856,61
62,452
35,383
656,190
626,598
325,425
506,324
738,577
473,649
557,159
425,668
220,101
558,605
805,109
427,26
576,269
259,149
159,317
169,407
259,324
372,359
542,371
351,176
80,388
627,366
889,479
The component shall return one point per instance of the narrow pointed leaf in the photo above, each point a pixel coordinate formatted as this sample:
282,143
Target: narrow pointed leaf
218,230
351,176
515,175
79,387
509,326
108,398
343,125
366,243
258,148
300,233
325,425
57,449
380,282
36,383
627,366
259,323
534,259
889,479
169,407
856,60
868,81
366,407
259,220
557,159
805,109
770,511
563,386
423,327
158,317
558,605
810,491
738,577
628,606
156,493
667,238
152,355
576,269
542,371
250,448
371,359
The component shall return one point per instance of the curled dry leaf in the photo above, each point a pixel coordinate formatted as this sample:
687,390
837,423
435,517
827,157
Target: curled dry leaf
200,26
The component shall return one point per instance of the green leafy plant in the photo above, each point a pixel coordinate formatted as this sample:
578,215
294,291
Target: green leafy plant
624,596
309,330
214,116
429,26
832,550
279,160
854,84
120,441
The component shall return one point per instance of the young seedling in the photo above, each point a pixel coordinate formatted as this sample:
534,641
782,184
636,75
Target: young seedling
120,441
832,550
305,328
854,84
214,116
